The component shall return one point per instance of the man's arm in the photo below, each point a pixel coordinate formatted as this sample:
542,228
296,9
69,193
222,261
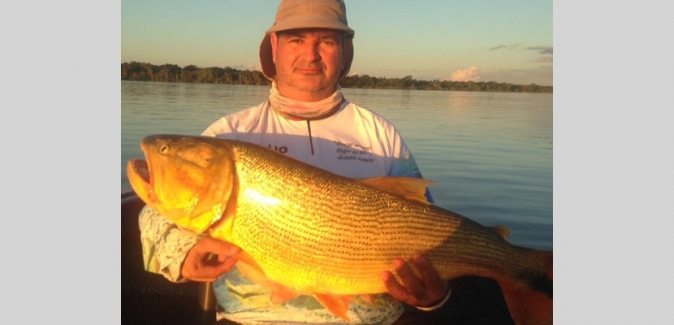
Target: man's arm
180,255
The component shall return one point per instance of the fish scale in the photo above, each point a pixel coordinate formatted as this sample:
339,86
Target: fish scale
337,234
315,232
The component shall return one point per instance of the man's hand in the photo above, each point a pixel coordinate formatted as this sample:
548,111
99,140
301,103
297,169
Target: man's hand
424,292
209,259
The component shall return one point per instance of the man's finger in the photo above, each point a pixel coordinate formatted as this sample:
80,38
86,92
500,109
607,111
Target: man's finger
209,259
395,289
227,265
429,275
218,247
409,279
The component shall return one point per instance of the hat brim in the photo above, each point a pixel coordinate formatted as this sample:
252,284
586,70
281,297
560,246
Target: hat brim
310,21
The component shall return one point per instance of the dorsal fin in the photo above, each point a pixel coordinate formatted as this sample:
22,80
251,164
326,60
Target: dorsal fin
502,231
408,187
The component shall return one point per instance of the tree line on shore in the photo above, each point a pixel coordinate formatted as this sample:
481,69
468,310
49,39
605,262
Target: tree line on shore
173,73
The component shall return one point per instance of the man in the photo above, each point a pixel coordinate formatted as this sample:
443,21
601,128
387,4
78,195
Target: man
305,53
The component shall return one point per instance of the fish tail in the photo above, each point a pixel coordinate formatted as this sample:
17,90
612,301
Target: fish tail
530,302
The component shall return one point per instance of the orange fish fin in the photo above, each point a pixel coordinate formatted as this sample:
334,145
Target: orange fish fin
408,187
531,303
223,228
281,294
244,257
528,307
502,231
249,268
369,299
338,305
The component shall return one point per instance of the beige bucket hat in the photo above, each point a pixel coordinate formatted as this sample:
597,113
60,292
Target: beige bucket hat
295,14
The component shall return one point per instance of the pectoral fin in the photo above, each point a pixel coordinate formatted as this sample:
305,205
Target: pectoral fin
224,227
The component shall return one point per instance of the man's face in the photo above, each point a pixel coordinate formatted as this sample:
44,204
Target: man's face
308,62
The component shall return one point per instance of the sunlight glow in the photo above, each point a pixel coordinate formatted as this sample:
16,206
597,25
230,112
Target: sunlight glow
261,199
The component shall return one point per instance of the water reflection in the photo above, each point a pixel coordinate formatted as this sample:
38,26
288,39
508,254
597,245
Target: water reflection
461,100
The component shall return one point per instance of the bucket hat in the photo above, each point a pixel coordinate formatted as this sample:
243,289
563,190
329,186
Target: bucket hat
296,14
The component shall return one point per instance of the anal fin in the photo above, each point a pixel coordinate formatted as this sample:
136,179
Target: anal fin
338,305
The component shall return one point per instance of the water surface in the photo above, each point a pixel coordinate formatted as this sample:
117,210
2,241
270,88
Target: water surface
490,154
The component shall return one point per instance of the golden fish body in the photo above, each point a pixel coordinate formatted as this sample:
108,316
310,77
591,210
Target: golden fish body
316,232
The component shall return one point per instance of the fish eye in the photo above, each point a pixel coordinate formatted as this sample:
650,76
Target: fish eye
164,149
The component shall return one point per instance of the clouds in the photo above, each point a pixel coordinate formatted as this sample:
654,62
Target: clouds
543,49
509,47
469,74
250,66
547,59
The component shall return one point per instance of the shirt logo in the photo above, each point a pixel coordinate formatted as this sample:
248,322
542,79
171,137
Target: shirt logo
281,149
354,151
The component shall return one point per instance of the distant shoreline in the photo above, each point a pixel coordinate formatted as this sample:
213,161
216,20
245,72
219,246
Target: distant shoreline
139,71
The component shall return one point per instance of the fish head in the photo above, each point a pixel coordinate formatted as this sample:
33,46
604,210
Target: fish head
187,179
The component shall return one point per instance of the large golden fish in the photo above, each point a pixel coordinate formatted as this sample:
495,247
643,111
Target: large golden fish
305,230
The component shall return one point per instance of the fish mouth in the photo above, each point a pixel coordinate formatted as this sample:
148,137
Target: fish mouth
141,169
138,173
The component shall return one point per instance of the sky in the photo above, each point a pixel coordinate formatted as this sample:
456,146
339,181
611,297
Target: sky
486,40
